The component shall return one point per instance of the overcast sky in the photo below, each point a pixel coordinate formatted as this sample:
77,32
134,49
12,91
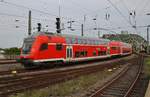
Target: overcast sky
14,17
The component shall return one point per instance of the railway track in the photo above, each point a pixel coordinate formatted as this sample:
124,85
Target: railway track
10,84
22,70
121,85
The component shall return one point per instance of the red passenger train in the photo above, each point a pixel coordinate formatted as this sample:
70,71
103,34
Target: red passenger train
51,48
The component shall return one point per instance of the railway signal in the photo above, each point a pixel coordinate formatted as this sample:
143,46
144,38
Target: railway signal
39,27
29,23
58,30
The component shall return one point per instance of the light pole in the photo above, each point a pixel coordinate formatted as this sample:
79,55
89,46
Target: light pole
148,36
148,39
29,23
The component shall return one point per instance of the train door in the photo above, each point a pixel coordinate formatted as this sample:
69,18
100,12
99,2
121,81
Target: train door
69,53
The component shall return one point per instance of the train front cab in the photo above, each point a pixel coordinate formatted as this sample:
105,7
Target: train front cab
44,49
126,50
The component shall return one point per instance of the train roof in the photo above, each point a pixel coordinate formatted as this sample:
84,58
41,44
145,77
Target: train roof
119,43
66,36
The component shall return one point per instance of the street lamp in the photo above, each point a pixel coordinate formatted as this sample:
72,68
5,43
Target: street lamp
148,36
148,39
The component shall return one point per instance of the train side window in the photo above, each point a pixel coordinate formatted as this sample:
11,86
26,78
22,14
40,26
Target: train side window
86,41
101,53
73,40
79,41
77,54
114,48
44,46
96,42
67,40
91,42
85,53
94,53
59,47
82,53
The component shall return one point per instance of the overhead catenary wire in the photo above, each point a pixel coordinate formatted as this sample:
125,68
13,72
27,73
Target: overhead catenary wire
145,5
128,21
67,18
120,12
21,6
32,9
21,16
81,7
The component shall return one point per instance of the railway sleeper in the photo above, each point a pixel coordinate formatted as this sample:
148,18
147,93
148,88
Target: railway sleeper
117,89
113,94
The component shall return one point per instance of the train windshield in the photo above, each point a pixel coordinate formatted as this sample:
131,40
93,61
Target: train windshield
27,45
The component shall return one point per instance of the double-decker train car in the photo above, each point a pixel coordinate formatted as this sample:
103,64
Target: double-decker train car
118,48
51,48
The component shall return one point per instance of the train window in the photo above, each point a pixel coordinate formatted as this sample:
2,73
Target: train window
104,53
96,42
101,53
77,54
94,53
85,53
93,42
27,45
26,48
73,40
79,41
90,42
99,42
59,46
44,46
68,40
85,41
82,53
114,48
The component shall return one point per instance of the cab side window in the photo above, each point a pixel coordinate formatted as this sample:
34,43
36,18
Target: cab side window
59,47
44,46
